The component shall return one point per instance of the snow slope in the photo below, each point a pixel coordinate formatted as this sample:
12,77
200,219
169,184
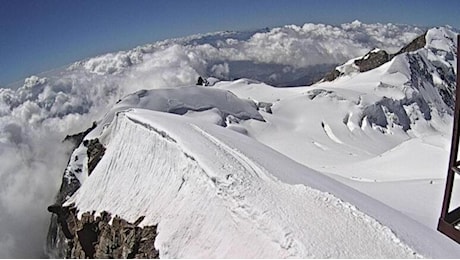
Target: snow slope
35,118
385,132
212,198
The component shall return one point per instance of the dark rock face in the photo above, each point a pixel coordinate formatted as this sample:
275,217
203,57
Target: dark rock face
95,152
76,139
202,82
70,184
372,60
332,75
414,45
265,106
90,236
419,67
96,237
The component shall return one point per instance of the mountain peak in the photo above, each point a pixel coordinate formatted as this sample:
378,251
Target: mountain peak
439,40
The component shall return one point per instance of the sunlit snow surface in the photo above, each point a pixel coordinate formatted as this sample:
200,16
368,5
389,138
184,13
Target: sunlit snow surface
214,199
334,128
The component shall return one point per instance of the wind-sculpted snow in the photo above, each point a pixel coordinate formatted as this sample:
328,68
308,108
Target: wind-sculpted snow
35,118
387,127
211,199
217,106
182,100
423,79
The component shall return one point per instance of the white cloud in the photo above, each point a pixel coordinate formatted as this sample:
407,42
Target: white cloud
35,118
220,70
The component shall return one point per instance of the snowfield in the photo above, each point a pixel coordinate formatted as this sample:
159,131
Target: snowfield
214,199
244,168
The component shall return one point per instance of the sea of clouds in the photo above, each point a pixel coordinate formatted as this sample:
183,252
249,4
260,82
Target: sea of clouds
36,117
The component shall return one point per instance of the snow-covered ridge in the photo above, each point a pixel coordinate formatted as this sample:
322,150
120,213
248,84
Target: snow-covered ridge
239,170
191,98
422,79
199,188
216,106
440,43
339,140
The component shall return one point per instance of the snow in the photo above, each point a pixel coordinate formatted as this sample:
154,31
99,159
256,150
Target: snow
201,189
362,144
218,104
78,164
384,132
365,136
194,98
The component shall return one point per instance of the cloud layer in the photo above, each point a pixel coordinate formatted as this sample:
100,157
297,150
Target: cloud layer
35,118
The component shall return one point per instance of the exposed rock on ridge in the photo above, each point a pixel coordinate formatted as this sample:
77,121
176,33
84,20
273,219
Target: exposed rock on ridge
62,225
372,60
76,139
103,237
414,45
376,58
95,152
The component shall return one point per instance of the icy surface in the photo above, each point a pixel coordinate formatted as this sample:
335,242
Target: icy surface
212,199
182,100
385,132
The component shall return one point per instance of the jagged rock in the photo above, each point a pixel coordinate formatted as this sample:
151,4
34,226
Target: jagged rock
95,152
376,58
90,236
76,139
372,60
202,82
96,237
265,106
414,45
332,75
62,221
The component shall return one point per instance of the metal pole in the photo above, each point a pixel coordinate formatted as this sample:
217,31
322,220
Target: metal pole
455,139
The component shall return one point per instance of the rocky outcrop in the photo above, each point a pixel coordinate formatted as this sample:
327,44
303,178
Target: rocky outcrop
376,58
76,139
332,75
95,152
265,106
94,236
414,45
372,60
101,236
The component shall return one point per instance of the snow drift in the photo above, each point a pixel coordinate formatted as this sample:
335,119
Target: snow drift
202,183
357,125
212,199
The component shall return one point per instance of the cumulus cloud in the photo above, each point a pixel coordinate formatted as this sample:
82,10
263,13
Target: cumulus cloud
30,174
35,118
300,47
220,70
34,121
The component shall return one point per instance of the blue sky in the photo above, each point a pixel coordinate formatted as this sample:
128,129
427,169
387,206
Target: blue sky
39,35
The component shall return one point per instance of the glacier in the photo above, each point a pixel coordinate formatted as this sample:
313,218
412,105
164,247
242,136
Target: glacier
366,140
213,199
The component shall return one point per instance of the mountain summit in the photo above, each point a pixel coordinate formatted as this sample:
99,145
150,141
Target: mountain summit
242,169
266,160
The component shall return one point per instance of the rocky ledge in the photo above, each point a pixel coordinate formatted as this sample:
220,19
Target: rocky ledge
94,235
100,236
376,58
